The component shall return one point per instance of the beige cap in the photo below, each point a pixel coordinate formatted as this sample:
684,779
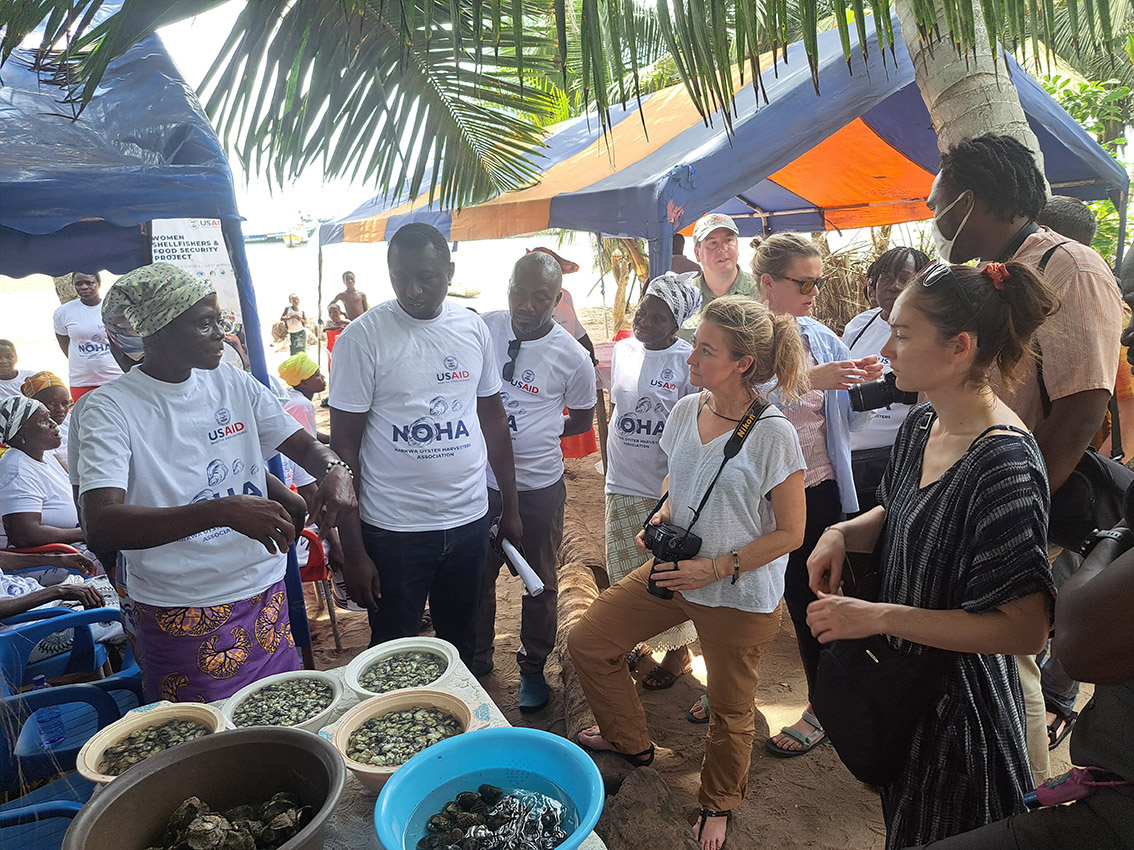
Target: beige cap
706,224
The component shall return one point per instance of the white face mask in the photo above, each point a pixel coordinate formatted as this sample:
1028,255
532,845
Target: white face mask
945,246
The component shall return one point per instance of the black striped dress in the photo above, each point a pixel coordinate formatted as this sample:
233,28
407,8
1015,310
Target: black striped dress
975,539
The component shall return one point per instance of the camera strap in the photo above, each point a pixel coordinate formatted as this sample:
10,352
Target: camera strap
731,450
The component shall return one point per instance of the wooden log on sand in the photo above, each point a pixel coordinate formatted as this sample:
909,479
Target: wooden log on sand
644,814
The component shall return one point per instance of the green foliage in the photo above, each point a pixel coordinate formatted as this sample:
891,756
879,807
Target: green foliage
1098,106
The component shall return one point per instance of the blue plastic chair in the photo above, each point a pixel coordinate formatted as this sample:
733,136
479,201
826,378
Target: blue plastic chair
39,820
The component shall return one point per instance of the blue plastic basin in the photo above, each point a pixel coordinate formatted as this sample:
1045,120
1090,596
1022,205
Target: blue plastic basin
510,758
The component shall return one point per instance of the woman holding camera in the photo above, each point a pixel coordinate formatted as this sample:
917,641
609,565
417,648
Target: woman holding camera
962,537
730,589
789,270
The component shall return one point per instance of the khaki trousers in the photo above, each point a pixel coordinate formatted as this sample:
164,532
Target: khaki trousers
732,642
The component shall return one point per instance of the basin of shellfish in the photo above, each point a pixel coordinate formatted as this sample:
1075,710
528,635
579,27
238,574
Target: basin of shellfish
302,699
396,665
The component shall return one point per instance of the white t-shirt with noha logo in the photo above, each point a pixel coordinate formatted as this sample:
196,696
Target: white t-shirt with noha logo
169,445
423,456
644,387
89,361
551,373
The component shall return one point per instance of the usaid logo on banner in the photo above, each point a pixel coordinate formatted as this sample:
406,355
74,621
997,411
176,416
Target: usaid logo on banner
452,371
227,428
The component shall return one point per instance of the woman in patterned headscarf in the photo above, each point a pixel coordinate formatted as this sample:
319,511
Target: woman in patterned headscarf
171,474
648,374
48,389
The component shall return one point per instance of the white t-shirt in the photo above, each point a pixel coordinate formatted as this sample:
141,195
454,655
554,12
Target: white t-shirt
869,332
565,316
737,511
552,372
423,455
29,486
11,386
644,386
301,408
88,355
73,438
169,445
64,434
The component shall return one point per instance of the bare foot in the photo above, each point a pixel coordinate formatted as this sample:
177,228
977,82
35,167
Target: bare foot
1050,717
787,742
698,710
677,661
592,739
712,832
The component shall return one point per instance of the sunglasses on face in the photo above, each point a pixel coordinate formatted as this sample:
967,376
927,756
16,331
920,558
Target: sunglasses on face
510,367
937,271
807,284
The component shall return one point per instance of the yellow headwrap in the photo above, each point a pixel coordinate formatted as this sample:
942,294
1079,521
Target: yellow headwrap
40,381
153,296
298,368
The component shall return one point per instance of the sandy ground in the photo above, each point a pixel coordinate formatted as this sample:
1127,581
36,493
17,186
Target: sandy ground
806,802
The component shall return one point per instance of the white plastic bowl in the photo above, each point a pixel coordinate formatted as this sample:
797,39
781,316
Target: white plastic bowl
435,646
147,715
313,724
373,777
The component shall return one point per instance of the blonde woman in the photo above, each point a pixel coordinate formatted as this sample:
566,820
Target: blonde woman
731,589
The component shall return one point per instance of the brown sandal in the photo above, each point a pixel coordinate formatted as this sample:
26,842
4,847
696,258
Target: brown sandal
659,678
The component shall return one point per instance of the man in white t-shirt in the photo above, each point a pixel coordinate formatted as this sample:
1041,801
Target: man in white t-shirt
544,371
416,412
82,336
171,474
865,335
11,378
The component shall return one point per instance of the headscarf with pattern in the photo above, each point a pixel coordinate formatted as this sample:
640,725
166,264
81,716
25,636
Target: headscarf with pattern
151,297
298,368
118,327
39,382
682,298
15,411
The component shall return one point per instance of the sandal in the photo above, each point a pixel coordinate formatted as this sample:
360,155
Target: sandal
703,817
693,718
808,742
634,655
642,759
1060,728
659,678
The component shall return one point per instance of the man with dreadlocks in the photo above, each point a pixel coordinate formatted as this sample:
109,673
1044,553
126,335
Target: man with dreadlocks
985,201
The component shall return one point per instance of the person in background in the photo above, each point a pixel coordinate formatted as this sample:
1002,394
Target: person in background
82,337
648,374
961,537
295,321
985,200
52,393
11,378
416,412
336,318
731,589
544,371
716,249
789,271
679,263
303,378
864,336
353,300
202,542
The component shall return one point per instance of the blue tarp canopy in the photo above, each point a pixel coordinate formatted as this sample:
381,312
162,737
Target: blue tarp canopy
862,154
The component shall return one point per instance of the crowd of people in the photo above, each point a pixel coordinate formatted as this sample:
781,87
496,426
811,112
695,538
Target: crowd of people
890,487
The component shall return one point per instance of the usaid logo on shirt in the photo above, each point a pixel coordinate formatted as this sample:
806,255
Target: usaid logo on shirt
665,380
526,382
452,371
227,428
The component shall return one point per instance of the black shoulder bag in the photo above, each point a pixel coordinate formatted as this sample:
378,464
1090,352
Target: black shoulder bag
870,697
670,543
1093,497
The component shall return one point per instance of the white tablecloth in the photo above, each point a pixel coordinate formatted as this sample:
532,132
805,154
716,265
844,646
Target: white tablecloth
351,827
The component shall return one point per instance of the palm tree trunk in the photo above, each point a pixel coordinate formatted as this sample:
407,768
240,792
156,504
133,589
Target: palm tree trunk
966,94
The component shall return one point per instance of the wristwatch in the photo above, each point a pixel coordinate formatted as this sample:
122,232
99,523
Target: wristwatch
1124,535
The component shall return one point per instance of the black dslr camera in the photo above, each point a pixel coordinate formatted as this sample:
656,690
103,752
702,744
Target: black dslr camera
669,544
878,394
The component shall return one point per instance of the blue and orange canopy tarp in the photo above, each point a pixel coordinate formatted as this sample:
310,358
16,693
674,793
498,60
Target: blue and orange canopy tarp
862,154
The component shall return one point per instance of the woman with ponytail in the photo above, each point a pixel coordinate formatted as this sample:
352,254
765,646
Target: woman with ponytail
789,271
731,589
961,538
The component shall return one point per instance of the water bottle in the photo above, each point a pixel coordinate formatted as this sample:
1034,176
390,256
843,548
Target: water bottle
51,730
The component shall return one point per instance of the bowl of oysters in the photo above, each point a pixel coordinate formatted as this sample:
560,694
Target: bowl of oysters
302,699
379,735
261,788
396,665
143,733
